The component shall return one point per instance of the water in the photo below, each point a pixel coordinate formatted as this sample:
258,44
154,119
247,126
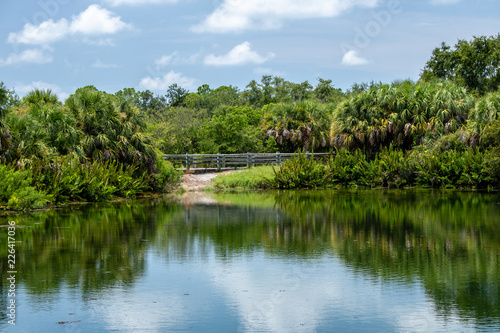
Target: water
323,261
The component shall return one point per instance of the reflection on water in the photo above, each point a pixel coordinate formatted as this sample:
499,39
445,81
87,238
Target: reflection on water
331,261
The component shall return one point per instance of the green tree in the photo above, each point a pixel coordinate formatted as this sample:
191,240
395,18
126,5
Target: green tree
41,128
473,64
176,95
325,92
232,129
297,125
301,91
5,136
486,111
112,128
401,114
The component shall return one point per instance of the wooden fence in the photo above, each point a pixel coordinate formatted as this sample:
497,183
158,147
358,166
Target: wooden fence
224,161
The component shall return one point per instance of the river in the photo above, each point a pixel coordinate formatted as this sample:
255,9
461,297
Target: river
292,261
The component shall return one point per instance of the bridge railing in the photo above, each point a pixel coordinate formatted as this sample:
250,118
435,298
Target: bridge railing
223,161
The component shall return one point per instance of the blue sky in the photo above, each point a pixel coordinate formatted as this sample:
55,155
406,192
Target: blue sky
149,44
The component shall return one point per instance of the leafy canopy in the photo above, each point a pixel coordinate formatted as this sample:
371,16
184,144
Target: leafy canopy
472,64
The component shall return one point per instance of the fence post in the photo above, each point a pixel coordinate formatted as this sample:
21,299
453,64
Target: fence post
308,155
187,161
224,161
218,162
278,158
249,157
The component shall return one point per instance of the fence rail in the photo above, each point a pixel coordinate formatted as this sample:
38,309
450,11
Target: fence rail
222,161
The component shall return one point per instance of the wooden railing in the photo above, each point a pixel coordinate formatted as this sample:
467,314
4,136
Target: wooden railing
224,161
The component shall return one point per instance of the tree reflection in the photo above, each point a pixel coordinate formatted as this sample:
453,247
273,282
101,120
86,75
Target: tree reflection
448,241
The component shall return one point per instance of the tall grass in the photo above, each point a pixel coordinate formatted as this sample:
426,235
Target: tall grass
253,178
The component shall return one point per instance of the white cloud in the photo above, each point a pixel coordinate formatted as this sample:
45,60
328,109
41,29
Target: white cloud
116,3
93,21
352,58
99,64
239,55
23,89
97,21
162,83
444,2
45,33
34,56
239,15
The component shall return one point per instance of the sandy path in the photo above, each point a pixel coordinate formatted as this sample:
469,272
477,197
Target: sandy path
197,182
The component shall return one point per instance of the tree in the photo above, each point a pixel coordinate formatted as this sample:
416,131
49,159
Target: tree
326,93
111,128
176,94
5,135
301,91
400,114
232,129
472,64
297,125
485,112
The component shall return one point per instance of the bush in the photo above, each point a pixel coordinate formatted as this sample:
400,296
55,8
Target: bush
349,169
301,171
69,180
17,192
391,168
165,176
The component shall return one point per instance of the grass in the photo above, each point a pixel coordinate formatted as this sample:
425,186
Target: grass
253,178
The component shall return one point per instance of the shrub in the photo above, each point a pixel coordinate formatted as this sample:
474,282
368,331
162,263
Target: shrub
301,171
17,192
165,176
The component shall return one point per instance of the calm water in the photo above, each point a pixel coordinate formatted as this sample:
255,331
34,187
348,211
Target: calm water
324,261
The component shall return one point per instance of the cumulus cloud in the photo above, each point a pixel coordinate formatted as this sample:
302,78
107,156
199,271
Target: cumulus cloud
45,33
116,3
93,21
34,56
97,21
352,58
161,83
241,54
239,15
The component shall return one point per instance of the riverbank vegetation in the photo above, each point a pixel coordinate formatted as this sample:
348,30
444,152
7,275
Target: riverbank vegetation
440,131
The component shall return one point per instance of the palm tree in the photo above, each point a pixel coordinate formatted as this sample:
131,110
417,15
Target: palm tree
400,113
486,111
111,128
41,128
302,124
5,136
41,97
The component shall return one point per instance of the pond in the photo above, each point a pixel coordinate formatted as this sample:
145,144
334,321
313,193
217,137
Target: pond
305,261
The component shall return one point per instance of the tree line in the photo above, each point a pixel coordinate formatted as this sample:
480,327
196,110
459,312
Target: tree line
114,142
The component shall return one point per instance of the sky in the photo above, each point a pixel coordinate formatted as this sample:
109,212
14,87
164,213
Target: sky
64,45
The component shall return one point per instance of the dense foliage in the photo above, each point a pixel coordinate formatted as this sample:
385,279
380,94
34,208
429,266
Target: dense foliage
472,64
92,147
440,131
